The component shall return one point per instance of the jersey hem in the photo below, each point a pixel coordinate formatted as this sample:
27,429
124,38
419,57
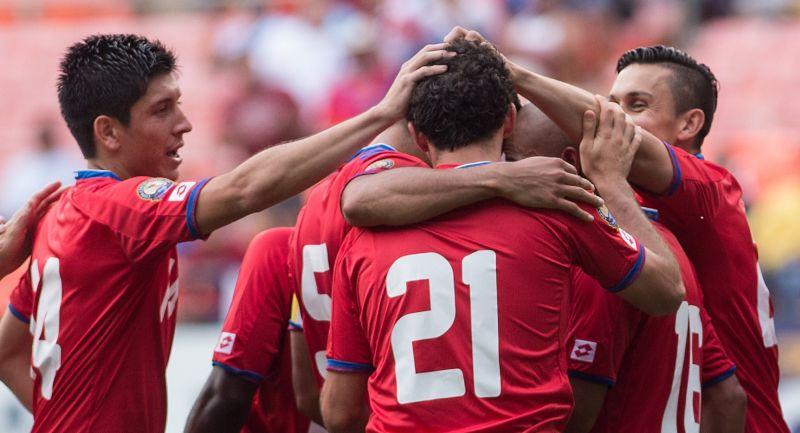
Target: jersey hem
18,314
191,210
249,375
632,273
349,367
718,379
607,381
676,171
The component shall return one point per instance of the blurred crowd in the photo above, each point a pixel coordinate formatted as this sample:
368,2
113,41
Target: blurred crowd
259,73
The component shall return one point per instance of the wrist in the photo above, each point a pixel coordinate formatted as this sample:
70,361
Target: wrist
382,115
607,182
495,181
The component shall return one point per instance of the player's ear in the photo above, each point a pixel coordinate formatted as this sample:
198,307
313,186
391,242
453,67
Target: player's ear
690,123
510,121
572,156
106,133
419,138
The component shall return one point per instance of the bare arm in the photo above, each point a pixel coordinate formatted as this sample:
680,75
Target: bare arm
343,401
565,105
409,195
223,405
606,156
282,171
15,354
724,407
15,244
589,398
306,391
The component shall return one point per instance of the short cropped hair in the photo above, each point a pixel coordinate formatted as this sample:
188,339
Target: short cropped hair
106,75
467,103
693,84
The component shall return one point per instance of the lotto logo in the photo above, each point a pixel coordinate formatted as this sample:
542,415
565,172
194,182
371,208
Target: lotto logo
180,191
584,351
225,344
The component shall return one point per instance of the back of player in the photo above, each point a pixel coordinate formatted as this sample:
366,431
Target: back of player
656,366
704,209
101,295
461,318
318,234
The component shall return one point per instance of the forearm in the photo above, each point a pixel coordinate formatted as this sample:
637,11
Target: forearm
214,414
409,195
282,171
304,383
724,408
14,374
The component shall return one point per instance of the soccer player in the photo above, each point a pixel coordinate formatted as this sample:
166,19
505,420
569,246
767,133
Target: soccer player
673,97
101,291
458,322
250,389
655,367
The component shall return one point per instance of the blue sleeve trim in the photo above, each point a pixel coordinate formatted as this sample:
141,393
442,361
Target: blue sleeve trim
607,381
719,378
294,326
249,375
632,273
676,171
349,367
372,149
18,314
191,209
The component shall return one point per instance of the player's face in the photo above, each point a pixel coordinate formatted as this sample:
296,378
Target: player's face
152,139
643,91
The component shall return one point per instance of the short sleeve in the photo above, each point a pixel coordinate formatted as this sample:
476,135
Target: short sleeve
381,159
601,329
145,208
606,252
348,347
716,364
254,329
21,300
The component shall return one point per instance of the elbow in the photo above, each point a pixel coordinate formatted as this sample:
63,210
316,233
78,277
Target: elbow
342,421
307,404
672,295
735,399
356,210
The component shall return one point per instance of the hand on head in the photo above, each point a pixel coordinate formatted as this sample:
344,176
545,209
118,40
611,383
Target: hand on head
608,145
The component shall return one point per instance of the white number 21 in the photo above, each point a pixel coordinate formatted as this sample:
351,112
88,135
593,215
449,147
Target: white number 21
480,273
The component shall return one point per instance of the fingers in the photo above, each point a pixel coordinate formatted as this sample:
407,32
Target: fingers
424,58
578,181
630,131
569,168
575,193
458,32
45,192
606,123
427,71
589,125
573,209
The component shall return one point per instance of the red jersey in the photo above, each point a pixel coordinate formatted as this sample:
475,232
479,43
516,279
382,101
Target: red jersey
656,366
319,232
705,211
100,295
254,343
461,320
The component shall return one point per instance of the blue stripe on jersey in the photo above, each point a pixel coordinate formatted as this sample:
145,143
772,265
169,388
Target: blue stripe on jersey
607,381
294,326
676,170
699,155
249,375
18,314
88,174
349,367
372,149
191,209
474,164
632,273
650,213
719,378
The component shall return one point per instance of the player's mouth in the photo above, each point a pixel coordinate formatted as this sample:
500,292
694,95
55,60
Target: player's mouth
174,155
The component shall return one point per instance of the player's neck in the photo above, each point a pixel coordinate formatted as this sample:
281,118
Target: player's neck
475,152
118,169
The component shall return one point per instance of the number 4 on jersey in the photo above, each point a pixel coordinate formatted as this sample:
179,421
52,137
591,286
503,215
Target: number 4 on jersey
45,326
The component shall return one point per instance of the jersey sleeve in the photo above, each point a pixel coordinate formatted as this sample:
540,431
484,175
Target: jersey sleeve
696,190
716,364
604,251
145,209
601,329
255,326
21,299
348,346
381,159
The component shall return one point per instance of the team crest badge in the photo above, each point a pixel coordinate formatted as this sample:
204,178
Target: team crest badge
153,189
383,164
607,217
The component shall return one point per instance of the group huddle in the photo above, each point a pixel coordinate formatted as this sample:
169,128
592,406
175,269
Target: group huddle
485,250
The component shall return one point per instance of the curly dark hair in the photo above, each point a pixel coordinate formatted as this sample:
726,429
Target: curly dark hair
693,84
106,75
467,103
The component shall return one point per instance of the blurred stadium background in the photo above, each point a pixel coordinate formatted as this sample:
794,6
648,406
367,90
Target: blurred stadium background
256,73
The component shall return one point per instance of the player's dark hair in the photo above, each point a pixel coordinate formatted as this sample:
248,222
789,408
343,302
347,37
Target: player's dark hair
467,103
693,84
106,75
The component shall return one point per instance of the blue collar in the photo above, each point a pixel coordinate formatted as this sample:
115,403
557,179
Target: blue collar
650,213
474,164
88,174
372,149
699,155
